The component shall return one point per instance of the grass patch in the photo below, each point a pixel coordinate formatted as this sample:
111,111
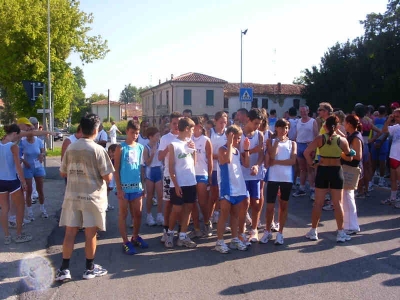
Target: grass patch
55,152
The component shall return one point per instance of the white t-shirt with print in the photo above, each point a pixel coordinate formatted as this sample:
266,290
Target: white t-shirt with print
394,132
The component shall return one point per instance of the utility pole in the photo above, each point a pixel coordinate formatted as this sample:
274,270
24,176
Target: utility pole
108,106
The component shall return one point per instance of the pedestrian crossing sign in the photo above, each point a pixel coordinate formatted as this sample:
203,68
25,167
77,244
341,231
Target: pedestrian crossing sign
246,95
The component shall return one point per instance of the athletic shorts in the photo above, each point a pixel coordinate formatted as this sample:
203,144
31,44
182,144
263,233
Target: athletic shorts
34,172
83,213
189,195
253,188
9,186
394,163
214,179
154,174
380,153
202,179
329,177
234,199
275,187
300,149
132,196
166,188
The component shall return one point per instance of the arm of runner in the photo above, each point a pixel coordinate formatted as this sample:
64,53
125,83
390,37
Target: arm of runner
15,153
172,171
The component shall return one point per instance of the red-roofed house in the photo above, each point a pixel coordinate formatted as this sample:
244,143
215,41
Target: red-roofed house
132,109
100,108
269,96
197,92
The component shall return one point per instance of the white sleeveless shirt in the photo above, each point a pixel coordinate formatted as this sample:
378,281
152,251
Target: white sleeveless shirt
230,178
72,138
155,161
143,141
305,131
217,141
201,166
281,173
254,141
184,164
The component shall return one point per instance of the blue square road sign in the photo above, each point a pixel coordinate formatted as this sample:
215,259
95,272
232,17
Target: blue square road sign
246,94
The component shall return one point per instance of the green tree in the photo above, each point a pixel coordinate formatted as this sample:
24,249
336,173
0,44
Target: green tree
128,95
23,49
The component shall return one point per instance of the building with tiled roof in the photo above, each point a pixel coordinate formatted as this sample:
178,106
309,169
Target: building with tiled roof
195,91
100,108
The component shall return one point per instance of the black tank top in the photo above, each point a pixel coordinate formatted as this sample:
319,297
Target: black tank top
350,138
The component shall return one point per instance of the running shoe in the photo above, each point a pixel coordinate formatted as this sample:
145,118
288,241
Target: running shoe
312,195
23,238
312,234
327,197
109,207
169,242
370,186
195,234
244,239
266,237
160,219
7,240
221,247
237,244
154,201
31,218
299,193
128,248
97,271
164,236
63,275
279,239
253,236
351,231
150,220
186,242
139,242
388,201
328,207
342,237
228,229
208,229
215,217
274,227
44,213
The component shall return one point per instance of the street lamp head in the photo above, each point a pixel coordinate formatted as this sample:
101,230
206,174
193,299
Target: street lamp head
244,32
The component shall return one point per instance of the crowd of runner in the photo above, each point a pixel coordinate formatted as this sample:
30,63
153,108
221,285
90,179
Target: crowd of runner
207,171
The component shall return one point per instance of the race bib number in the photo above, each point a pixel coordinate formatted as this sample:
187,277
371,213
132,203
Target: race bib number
132,157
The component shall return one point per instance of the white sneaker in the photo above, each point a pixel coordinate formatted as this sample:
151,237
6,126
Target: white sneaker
164,237
279,239
228,229
195,234
382,182
215,217
312,234
370,186
208,229
274,227
237,244
312,195
253,236
259,225
342,237
169,241
187,242
44,213
160,219
244,239
26,221
266,237
150,220
222,247
31,218
327,197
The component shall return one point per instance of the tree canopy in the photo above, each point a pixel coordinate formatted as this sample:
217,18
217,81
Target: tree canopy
365,70
24,50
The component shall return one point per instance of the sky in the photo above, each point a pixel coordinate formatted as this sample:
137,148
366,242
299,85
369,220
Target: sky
150,40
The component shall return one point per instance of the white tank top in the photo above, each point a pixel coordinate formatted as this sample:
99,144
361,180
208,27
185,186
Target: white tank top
143,141
217,141
72,138
281,173
305,131
155,162
254,141
201,166
184,164
293,128
230,178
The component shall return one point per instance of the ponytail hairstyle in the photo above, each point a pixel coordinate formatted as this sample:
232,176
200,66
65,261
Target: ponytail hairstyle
331,124
12,128
354,121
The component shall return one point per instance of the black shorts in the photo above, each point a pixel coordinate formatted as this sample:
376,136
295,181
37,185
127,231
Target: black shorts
189,195
329,177
273,188
9,186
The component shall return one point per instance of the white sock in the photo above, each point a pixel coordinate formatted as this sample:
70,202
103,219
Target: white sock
41,207
182,235
220,242
170,232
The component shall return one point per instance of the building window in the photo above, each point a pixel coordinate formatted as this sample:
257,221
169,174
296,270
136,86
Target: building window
167,97
226,103
160,98
254,103
296,103
209,98
187,97
265,103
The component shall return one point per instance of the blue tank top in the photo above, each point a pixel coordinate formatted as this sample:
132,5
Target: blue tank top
379,122
130,166
31,151
7,170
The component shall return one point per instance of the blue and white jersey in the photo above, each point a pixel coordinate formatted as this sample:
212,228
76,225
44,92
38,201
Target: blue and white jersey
130,167
253,158
155,161
230,178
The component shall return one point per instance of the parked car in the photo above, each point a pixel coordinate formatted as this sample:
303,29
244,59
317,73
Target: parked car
59,135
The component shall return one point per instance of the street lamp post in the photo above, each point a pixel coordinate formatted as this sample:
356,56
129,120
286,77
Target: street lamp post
49,75
242,33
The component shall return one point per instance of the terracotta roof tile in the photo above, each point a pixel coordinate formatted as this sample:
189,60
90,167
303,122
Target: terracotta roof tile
197,77
105,102
264,89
